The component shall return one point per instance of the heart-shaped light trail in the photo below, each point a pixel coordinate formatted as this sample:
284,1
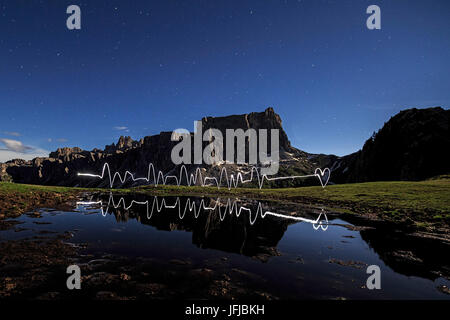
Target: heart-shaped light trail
321,224
319,173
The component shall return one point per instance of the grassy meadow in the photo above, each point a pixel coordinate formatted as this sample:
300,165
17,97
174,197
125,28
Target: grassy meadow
423,201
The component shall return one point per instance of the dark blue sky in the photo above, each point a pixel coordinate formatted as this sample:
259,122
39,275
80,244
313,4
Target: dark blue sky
154,66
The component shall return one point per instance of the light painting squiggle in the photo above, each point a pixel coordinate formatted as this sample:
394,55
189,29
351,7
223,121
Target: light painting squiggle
231,181
229,207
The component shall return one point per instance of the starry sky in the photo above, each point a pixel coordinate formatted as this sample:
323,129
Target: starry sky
140,67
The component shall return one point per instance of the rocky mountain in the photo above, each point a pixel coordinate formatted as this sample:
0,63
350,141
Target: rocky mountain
412,145
62,166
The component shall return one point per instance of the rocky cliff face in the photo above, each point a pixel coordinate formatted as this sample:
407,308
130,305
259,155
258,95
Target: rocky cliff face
412,145
255,120
62,166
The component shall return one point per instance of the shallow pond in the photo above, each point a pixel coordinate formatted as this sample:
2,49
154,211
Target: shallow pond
286,251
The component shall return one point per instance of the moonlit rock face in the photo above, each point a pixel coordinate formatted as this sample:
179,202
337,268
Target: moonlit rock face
62,166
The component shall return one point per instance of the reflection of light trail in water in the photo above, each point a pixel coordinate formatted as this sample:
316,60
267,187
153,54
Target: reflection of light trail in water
231,181
191,206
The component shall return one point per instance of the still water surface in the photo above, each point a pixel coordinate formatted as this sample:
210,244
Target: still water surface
315,255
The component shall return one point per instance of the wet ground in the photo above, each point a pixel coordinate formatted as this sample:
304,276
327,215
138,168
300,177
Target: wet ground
202,248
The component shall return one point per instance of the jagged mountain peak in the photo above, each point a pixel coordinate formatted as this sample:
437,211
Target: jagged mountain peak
62,166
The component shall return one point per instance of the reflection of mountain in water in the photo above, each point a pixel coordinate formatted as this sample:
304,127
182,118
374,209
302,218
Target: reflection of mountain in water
255,228
408,254
245,227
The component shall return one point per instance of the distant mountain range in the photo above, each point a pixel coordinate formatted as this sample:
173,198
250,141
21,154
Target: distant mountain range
412,145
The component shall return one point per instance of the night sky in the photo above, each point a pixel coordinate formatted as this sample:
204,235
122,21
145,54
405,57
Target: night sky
140,67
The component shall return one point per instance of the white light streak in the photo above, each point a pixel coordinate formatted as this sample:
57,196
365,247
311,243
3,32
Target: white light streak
231,181
229,207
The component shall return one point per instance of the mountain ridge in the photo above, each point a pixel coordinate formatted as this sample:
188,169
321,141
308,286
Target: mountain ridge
62,165
410,146
405,148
